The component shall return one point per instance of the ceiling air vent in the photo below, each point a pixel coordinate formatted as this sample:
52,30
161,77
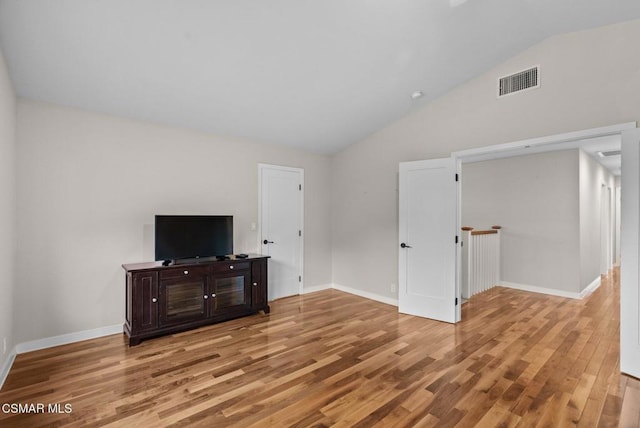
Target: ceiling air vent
527,79
611,153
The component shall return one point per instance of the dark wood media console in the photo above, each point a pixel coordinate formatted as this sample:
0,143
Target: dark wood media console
167,299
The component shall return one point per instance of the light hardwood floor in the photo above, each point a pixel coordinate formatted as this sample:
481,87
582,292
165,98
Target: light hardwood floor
333,359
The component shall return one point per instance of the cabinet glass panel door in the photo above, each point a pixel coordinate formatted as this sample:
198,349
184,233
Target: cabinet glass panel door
233,291
230,291
183,301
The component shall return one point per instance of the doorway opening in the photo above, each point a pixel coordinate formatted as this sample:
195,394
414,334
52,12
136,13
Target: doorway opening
556,211
586,140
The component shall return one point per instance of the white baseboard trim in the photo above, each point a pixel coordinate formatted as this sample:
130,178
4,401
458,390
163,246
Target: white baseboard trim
63,339
366,295
542,290
313,289
591,287
4,370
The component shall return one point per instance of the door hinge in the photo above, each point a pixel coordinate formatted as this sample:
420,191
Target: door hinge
299,233
456,301
299,278
299,186
456,239
457,177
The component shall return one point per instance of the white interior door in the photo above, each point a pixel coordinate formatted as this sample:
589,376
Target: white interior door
280,213
629,255
428,227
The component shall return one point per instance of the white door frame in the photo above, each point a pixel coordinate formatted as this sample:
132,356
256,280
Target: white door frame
608,228
261,167
540,144
630,256
534,145
631,221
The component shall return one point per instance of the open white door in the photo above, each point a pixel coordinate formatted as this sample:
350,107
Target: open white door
428,227
280,209
629,255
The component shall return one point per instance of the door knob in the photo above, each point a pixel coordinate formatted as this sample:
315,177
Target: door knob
265,242
403,245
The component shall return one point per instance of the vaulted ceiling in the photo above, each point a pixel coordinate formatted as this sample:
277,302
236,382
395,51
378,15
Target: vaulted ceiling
318,75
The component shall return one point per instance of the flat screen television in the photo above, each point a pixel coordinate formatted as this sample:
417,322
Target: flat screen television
193,236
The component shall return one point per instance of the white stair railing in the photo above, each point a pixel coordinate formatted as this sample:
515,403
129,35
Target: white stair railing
480,260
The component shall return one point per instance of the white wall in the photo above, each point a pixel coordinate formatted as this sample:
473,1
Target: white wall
588,79
592,177
535,198
88,187
7,210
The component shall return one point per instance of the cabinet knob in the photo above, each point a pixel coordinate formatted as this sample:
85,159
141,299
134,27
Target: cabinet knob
231,267
213,294
154,300
186,272
255,284
206,297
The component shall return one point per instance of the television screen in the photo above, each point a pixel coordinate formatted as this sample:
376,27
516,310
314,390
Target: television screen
193,236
